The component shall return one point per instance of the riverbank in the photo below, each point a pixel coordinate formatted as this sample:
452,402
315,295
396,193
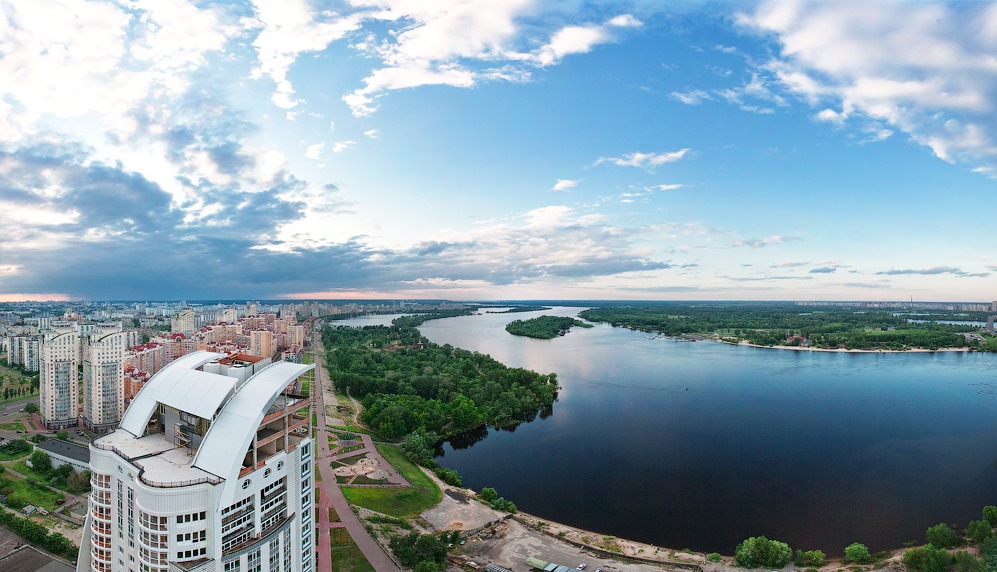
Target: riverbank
847,351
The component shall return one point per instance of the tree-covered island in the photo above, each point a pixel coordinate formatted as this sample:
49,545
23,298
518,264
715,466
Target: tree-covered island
544,327
818,327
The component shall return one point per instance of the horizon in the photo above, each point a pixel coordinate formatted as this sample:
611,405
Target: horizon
377,149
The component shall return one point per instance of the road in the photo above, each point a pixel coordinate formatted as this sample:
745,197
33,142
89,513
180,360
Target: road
329,493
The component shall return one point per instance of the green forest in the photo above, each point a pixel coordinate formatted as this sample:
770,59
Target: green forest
543,327
407,383
828,327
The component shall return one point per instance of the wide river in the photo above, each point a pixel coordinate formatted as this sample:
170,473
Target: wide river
700,444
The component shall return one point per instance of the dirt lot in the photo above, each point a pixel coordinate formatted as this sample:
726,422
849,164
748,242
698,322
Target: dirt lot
516,543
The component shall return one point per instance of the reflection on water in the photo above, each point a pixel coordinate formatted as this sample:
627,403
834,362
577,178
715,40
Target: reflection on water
701,445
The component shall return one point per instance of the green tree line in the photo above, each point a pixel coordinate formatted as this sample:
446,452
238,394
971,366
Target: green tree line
543,327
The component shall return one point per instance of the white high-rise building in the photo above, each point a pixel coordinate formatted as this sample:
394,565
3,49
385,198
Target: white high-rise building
104,377
211,470
58,364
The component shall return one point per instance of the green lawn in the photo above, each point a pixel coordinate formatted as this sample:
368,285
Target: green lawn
405,502
29,492
346,556
5,456
13,426
305,386
23,468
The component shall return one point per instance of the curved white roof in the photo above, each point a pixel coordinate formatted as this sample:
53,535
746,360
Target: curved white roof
223,448
179,385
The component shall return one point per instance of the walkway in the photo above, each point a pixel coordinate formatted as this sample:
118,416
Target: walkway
329,493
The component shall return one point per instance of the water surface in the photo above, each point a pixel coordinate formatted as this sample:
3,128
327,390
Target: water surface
700,445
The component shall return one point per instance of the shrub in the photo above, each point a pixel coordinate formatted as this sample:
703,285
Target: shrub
979,531
990,514
963,561
760,551
857,553
927,559
942,536
714,557
488,494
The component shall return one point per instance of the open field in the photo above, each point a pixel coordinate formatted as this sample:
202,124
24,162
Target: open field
346,556
406,502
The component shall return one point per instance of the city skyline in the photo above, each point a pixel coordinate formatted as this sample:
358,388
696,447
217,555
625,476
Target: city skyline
385,149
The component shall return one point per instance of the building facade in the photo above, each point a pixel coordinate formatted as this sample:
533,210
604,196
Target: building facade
211,470
185,322
104,377
58,381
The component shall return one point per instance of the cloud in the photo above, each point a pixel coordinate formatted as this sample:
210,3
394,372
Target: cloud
315,151
644,160
371,133
925,69
564,185
693,97
289,28
461,44
823,270
340,146
763,242
933,271
789,264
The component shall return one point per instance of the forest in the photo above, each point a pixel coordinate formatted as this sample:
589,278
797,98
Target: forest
543,327
829,327
407,383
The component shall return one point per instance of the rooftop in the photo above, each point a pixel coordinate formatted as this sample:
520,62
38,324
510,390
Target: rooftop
65,449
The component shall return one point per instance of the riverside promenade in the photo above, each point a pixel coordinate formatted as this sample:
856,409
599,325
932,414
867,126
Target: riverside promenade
329,494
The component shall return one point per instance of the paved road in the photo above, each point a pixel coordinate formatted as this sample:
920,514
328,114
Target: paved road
329,493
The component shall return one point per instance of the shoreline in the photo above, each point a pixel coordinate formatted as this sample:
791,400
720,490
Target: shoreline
844,350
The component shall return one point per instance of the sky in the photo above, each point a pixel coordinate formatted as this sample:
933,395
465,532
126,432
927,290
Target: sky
498,149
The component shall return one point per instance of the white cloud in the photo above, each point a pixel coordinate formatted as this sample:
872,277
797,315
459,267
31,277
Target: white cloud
371,133
461,43
644,160
926,69
564,185
315,151
290,28
693,97
340,146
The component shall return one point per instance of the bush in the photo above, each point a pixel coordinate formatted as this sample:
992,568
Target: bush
857,553
963,561
760,551
927,559
990,514
714,557
449,476
979,531
488,494
942,536
31,407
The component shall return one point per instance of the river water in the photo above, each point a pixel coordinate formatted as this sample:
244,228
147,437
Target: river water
700,445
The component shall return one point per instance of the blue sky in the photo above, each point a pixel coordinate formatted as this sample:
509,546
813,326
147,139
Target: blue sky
497,149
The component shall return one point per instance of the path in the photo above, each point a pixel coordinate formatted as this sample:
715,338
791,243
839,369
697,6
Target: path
329,493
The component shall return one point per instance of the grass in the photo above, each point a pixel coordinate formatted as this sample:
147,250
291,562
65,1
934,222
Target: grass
33,493
333,517
305,386
405,502
13,426
23,468
5,456
346,555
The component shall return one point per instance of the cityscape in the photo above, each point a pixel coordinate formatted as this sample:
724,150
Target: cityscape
504,285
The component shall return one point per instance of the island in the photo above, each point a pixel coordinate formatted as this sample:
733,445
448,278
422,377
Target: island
786,325
544,327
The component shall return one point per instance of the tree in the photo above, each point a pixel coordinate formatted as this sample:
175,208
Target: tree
41,462
927,559
31,407
942,536
990,514
963,561
64,435
760,551
488,494
979,531
856,552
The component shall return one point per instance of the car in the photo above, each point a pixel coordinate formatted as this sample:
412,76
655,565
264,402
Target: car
582,566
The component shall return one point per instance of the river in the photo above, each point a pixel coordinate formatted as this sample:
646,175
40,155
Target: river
700,444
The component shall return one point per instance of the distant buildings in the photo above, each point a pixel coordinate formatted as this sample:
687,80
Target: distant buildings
185,322
211,470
